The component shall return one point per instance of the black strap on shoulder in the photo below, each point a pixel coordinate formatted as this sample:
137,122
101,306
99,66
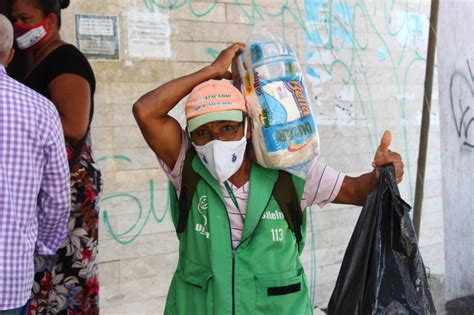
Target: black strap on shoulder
285,194
189,181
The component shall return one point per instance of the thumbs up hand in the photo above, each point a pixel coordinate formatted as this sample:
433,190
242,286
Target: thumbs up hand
384,156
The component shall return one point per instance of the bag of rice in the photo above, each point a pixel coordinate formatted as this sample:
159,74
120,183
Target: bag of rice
284,132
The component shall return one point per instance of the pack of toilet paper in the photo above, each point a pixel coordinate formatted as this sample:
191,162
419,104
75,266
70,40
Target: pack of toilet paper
284,131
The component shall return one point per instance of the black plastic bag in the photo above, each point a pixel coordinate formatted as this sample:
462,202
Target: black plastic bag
382,271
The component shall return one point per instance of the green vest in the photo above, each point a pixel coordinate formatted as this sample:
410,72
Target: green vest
263,276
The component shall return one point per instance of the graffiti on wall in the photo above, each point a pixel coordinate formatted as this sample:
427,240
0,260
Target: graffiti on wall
134,230
461,97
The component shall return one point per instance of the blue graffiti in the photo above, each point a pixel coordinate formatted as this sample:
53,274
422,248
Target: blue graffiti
382,54
328,22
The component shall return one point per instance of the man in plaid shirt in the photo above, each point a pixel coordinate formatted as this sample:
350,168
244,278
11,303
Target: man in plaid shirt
34,182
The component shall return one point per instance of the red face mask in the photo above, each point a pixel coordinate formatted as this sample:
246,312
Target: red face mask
31,36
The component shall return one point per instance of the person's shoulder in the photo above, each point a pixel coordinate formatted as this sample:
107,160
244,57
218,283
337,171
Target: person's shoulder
68,50
68,59
16,90
26,100
69,55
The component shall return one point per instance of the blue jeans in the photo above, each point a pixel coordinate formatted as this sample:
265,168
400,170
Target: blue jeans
16,311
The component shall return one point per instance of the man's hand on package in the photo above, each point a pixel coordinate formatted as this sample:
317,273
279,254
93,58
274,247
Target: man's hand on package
384,156
223,61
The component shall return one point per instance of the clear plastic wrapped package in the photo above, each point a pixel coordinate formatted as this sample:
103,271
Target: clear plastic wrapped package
284,131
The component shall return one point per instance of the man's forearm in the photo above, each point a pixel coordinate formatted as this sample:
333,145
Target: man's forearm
54,198
365,184
355,190
52,229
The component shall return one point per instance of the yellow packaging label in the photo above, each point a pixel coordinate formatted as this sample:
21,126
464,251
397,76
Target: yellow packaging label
248,84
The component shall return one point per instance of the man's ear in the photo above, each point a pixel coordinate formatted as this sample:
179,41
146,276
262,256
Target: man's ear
10,57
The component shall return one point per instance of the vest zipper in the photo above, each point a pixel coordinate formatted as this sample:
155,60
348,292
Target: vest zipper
233,281
233,266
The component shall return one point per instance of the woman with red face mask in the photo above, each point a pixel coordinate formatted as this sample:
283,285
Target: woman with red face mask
66,283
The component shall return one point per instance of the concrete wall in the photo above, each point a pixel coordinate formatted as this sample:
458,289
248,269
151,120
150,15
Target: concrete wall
456,69
364,64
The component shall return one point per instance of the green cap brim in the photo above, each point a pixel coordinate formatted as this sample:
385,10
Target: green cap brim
229,115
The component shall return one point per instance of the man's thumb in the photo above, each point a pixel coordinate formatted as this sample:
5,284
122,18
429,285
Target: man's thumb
385,141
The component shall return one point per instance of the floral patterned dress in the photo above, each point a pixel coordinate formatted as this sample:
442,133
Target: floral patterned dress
67,282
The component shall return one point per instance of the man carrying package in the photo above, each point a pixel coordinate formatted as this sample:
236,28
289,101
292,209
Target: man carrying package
237,253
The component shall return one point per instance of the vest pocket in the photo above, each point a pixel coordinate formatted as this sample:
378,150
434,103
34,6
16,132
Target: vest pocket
284,290
277,294
194,292
195,274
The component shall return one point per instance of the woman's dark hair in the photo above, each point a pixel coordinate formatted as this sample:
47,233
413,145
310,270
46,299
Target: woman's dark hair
52,6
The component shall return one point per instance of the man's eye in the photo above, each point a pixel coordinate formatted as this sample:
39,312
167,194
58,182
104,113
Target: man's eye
201,133
228,128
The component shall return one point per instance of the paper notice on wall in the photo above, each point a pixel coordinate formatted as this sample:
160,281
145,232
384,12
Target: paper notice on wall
97,36
148,34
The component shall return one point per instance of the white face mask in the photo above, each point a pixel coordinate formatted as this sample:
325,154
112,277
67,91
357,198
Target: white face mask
31,38
223,158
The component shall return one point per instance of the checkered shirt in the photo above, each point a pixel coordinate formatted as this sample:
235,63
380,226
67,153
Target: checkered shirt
34,187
